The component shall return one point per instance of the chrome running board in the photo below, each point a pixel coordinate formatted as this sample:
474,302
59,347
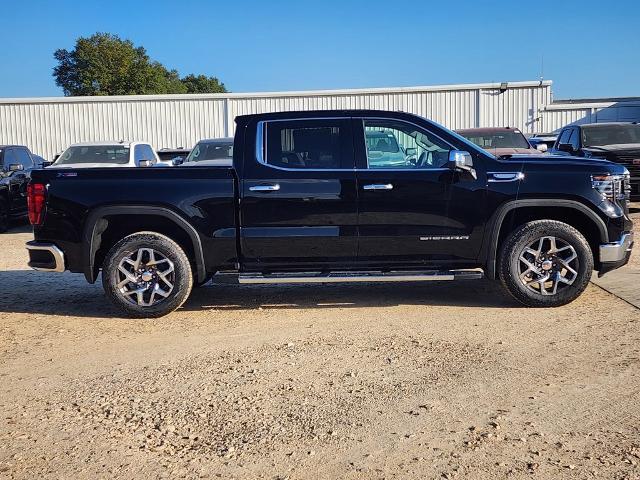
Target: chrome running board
366,276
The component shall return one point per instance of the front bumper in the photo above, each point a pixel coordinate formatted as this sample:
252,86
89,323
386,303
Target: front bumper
616,251
45,257
616,254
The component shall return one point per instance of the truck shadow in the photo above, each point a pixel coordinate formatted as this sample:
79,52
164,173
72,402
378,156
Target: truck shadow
478,293
31,292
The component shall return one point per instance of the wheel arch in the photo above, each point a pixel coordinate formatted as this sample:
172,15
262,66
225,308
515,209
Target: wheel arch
100,220
517,212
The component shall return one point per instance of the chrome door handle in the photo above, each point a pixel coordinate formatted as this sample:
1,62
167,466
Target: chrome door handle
378,186
265,188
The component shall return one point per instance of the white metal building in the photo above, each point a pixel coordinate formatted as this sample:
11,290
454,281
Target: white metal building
48,125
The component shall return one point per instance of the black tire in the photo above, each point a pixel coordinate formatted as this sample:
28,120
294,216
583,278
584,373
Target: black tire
181,276
4,215
510,265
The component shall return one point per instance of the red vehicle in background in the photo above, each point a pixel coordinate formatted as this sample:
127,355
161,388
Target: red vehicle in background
501,141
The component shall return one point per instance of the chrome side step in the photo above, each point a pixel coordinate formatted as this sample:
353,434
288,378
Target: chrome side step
367,276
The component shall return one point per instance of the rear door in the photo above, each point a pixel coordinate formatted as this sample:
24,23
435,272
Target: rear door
298,195
413,210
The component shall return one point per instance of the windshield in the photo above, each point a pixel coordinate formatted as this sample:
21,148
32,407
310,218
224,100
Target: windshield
95,154
504,139
610,135
211,151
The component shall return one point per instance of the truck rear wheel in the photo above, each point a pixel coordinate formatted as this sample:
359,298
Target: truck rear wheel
147,275
4,215
545,263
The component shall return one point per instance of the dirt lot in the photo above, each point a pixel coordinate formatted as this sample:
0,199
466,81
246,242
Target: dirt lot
359,381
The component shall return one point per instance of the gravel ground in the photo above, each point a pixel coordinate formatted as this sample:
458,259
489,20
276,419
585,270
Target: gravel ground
340,381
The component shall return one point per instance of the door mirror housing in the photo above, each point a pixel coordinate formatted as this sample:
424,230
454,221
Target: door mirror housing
541,147
411,152
46,164
146,163
177,161
15,167
565,147
461,160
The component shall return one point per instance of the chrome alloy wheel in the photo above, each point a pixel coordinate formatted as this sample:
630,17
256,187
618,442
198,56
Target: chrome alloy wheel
547,265
145,277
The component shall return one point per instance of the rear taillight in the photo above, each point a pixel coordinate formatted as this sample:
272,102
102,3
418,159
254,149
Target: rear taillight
36,202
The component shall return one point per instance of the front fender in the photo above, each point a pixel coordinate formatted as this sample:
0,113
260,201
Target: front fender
492,232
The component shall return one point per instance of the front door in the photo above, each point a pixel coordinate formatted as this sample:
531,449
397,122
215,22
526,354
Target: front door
413,209
298,196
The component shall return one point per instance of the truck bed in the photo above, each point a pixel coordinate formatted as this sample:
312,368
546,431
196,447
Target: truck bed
204,197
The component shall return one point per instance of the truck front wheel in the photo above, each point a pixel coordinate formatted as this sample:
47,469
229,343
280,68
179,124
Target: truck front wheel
545,263
147,275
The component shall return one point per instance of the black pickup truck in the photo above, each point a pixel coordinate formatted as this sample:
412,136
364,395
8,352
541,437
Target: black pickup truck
335,196
16,163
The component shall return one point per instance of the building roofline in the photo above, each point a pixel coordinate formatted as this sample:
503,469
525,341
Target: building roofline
300,93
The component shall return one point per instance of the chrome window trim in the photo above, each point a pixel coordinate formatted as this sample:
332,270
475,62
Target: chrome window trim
261,146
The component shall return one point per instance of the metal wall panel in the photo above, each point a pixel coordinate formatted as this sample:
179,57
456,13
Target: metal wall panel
49,125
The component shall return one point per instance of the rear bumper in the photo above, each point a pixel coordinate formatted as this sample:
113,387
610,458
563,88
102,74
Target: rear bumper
45,257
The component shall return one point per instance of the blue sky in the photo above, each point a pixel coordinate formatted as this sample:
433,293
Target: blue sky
590,48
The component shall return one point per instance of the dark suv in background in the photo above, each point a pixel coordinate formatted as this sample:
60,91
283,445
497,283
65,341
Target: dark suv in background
16,163
616,142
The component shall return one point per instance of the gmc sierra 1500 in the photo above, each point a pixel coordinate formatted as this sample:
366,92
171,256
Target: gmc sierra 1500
335,196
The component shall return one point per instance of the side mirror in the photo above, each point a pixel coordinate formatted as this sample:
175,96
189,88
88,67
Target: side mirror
461,160
15,167
541,147
177,161
46,163
146,163
565,147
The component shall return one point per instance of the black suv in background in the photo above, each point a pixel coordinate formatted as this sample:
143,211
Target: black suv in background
616,142
16,163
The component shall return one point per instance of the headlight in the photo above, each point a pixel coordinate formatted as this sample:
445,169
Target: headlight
612,187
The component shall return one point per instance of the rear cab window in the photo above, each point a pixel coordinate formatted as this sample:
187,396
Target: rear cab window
323,144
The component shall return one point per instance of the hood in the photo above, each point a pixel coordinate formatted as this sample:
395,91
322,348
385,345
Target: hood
500,152
620,147
588,163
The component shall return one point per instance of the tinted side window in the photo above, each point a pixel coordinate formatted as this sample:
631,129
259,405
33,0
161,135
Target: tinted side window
9,157
143,152
574,139
24,158
395,144
564,136
309,144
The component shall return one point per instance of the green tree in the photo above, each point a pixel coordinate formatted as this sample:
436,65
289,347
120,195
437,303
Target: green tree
203,84
104,64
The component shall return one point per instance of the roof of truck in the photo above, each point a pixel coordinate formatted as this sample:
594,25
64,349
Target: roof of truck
605,124
327,113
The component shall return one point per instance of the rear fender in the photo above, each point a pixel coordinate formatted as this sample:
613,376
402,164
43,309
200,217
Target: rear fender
97,223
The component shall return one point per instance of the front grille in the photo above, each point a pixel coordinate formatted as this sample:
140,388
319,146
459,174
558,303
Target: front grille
629,158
